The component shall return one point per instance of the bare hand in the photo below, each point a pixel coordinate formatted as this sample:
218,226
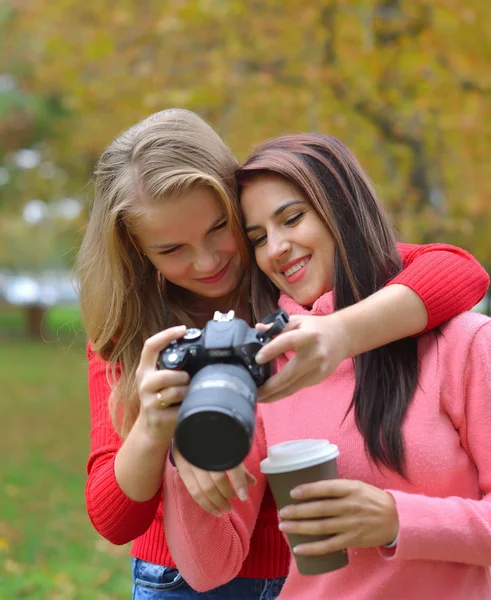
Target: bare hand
159,390
354,513
213,490
320,344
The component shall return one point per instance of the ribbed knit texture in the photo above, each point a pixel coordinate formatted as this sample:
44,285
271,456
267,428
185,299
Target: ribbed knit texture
120,519
457,283
444,507
467,279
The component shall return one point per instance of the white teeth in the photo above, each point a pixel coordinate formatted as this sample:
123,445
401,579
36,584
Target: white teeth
296,267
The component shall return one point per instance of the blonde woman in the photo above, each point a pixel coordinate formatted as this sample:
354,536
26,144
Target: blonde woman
164,247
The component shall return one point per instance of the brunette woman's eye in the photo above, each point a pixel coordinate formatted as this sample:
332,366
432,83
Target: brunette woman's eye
294,218
260,240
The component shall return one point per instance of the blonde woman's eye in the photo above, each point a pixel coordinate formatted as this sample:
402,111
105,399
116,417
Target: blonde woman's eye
170,251
294,219
220,226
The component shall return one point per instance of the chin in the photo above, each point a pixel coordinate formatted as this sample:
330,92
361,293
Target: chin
306,299
218,292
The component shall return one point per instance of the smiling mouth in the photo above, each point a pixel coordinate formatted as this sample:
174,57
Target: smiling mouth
214,278
296,267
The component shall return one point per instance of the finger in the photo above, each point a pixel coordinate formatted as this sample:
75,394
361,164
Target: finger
330,526
240,478
314,509
155,381
223,484
289,340
171,396
293,323
155,344
279,384
332,544
287,382
327,488
212,492
287,390
194,488
251,480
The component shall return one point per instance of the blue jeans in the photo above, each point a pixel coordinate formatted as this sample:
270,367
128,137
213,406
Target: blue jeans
153,582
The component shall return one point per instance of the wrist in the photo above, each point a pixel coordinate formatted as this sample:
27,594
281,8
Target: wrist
392,544
393,525
151,441
345,325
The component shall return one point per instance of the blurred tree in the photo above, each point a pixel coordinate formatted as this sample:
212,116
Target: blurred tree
406,84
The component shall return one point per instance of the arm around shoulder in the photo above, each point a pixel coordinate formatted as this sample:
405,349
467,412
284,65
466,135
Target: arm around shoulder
448,279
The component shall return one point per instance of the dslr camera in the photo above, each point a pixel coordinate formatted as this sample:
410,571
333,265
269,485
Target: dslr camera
217,418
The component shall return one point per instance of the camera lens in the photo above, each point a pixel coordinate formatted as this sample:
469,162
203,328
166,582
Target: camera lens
216,421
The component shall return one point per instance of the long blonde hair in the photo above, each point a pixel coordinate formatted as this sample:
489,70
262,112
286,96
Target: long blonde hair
123,298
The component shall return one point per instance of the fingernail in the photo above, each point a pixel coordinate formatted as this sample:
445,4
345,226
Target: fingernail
297,549
296,493
281,526
284,513
242,494
259,358
216,513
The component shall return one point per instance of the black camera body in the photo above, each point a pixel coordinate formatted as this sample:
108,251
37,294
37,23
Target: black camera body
216,420
225,339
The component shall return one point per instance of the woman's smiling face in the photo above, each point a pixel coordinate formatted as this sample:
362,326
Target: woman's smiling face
292,245
190,241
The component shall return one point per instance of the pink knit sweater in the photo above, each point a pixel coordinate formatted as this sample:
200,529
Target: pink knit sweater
444,509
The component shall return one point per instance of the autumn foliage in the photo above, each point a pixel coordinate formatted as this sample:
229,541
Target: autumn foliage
405,83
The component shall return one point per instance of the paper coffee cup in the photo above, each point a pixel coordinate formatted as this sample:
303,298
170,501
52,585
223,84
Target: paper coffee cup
303,461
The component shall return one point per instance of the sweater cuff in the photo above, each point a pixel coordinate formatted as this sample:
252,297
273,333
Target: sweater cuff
440,306
442,529
393,544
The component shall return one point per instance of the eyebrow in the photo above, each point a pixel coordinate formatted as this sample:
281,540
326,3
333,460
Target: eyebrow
173,245
276,213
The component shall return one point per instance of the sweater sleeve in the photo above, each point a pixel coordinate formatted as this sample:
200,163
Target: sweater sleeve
448,279
207,550
456,529
115,516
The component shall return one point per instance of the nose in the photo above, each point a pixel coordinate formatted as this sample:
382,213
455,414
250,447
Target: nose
205,262
277,246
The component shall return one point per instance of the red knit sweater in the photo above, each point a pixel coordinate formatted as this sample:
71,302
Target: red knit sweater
448,280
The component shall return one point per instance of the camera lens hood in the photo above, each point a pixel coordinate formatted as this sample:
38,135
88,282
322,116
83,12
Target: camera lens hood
216,421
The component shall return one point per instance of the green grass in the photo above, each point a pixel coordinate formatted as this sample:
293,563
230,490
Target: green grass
48,548
57,322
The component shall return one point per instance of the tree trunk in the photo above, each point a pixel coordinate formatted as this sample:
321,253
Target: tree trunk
34,320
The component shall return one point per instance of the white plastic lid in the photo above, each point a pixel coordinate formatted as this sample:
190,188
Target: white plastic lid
297,454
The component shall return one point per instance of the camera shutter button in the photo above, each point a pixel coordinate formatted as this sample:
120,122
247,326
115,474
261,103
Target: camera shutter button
173,357
192,333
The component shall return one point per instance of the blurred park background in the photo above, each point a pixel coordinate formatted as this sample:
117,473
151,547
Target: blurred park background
405,83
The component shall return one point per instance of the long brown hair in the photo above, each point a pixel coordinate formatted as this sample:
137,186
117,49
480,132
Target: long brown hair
123,298
366,258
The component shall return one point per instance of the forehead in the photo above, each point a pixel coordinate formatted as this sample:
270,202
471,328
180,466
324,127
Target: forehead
262,195
183,218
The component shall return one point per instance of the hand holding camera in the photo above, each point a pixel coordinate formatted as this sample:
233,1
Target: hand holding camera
216,421
159,389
